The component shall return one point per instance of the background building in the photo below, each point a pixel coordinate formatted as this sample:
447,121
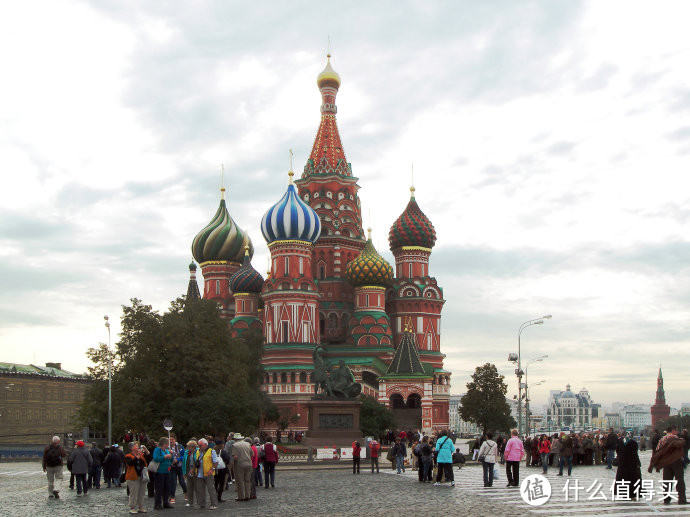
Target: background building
456,423
36,403
568,409
635,416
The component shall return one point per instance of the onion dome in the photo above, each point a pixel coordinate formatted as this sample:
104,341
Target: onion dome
222,239
192,266
328,76
290,219
412,228
369,268
246,279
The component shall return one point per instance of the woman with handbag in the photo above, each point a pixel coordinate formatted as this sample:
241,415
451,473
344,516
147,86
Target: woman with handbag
221,470
487,457
136,475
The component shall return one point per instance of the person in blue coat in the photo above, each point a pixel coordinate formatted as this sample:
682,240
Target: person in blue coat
445,449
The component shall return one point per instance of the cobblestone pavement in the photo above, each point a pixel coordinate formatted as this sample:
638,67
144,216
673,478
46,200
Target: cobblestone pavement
310,492
595,482
305,492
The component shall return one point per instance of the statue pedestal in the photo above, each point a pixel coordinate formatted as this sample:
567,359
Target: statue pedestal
333,422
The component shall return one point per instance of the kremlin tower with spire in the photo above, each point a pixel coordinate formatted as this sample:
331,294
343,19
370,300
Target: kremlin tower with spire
660,410
329,287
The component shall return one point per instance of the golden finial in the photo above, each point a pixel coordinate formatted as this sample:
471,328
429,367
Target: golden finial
412,189
290,172
222,181
246,250
369,233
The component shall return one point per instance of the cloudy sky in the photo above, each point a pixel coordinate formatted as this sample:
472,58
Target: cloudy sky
550,143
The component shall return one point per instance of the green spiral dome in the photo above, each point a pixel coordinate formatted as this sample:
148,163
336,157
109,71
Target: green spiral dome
221,239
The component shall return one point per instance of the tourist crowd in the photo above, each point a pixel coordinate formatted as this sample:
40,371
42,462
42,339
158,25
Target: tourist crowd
203,468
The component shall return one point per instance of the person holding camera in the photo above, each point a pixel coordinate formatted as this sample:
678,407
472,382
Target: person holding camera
136,465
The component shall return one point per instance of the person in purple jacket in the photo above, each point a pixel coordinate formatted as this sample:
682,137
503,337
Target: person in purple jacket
513,454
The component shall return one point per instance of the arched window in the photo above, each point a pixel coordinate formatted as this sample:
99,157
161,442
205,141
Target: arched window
322,271
322,324
283,378
275,378
302,377
332,321
397,402
292,378
414,401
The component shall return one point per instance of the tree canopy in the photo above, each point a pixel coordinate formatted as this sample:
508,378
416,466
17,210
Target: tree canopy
485,404
374,418
181,365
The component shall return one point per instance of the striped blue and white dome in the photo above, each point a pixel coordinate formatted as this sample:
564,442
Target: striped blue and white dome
290,219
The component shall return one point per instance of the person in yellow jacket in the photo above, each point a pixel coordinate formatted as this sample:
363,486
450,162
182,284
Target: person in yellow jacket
206,469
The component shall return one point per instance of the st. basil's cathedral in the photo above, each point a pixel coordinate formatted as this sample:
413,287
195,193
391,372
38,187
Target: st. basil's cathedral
329,287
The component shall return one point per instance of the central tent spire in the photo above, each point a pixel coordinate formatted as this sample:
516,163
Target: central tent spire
327,154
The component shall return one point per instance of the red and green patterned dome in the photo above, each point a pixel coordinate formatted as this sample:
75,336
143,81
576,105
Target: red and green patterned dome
246,279
412,228
369,268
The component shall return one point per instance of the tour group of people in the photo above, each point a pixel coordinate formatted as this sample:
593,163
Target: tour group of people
614,449
203,468
431,456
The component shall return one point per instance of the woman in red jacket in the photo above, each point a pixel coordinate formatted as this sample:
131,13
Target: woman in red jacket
544,450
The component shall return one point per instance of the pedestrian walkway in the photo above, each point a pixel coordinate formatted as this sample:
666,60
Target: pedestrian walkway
594,482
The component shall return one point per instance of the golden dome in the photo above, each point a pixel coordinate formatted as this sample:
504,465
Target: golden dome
328,77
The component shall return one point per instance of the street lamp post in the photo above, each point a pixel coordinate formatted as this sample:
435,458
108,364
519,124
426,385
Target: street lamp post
535,360
110,385
518,371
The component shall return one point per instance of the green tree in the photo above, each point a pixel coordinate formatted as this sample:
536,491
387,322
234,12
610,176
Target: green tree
182,365
485,404
374,418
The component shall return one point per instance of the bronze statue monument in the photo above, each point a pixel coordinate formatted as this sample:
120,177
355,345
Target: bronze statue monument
332,382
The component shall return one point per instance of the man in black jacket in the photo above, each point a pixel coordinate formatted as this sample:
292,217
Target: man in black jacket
610,446
94,480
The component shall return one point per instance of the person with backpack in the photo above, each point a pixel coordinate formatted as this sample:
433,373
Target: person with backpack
94,479
356,452
112,467
270,461
426,454
374,449
80,462
444,459
52,466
